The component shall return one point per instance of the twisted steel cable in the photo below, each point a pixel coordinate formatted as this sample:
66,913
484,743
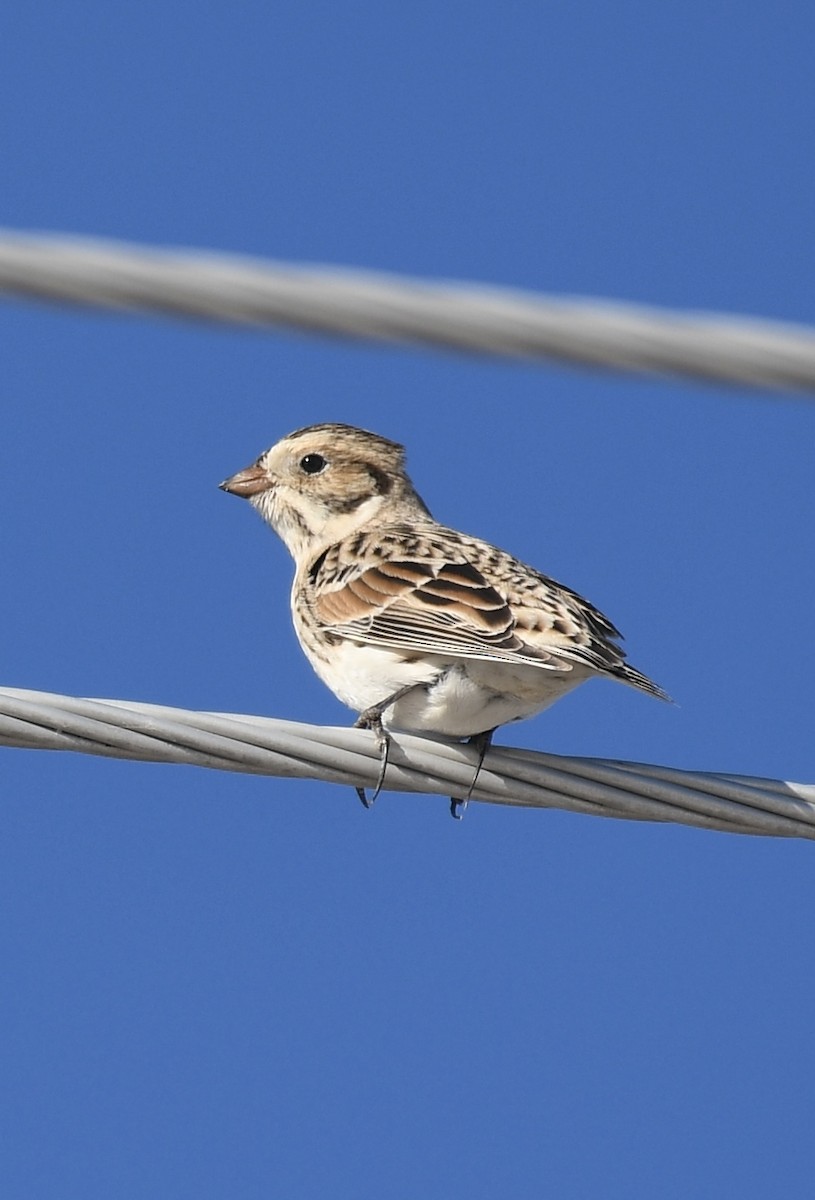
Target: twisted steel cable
458,316
264,746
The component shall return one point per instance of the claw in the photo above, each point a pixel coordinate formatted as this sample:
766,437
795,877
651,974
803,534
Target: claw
372,719
366,803
481,741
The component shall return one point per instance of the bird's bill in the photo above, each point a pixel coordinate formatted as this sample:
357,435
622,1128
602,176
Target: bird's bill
247,483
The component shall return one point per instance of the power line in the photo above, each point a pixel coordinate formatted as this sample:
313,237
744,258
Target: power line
381,307
456,316
264,746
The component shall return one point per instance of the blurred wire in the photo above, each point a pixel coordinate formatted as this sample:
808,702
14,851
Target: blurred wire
487,320
263,746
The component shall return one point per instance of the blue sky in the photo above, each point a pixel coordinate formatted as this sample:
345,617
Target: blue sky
221,986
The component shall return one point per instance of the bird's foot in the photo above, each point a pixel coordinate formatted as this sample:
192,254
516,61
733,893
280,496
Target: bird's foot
481,742
372,719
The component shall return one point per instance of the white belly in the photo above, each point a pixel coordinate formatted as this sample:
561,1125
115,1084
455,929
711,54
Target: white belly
472,696
452,697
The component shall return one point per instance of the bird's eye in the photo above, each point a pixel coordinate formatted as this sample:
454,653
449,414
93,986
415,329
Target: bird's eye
313,464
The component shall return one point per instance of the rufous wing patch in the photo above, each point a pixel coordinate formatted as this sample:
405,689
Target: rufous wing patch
401,600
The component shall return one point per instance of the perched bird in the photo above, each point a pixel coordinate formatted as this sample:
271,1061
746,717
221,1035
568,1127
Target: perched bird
413,625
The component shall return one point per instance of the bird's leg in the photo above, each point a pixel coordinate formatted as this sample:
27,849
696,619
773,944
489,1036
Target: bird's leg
481,741
371,719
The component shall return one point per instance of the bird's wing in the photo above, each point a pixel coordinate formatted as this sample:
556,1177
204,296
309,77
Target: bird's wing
430,606
424,592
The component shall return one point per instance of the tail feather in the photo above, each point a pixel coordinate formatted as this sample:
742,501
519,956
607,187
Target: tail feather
630,675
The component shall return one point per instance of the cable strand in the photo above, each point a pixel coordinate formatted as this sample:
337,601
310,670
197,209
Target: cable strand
524,778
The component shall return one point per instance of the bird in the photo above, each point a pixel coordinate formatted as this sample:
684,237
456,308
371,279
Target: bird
413,625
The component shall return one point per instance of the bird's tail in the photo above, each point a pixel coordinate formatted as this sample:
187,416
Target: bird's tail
635,678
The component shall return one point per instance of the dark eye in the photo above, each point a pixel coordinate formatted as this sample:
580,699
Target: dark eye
313,464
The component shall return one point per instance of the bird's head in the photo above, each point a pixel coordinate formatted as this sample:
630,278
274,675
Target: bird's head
320,484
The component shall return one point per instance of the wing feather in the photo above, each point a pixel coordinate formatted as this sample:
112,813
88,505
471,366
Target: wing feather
432,607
